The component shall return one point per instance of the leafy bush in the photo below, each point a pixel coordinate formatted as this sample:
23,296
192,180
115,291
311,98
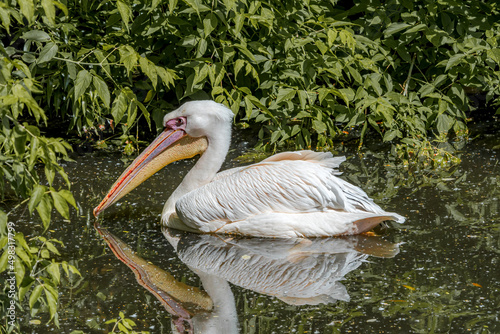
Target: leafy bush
37,275
400,69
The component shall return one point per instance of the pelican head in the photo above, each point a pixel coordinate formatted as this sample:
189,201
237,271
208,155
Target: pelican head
190,130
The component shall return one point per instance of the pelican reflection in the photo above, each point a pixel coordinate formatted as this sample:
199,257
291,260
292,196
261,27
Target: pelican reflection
296,271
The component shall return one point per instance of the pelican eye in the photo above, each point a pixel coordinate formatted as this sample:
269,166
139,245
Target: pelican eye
176,123
179,122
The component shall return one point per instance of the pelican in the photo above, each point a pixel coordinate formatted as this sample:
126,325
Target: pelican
290,194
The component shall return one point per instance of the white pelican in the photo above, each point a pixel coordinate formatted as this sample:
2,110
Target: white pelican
290,194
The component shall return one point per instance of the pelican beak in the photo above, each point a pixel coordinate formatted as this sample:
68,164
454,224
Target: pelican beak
169,146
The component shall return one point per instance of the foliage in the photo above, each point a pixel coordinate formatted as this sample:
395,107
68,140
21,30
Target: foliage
123,325
23,150
23,146
37,275
400,69
439,54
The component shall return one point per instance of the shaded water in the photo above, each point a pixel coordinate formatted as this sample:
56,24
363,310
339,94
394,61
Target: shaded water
439,273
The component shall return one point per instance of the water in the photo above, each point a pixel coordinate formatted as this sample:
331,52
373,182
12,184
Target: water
438,273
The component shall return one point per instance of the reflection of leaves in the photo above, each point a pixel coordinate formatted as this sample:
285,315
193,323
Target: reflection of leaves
37,275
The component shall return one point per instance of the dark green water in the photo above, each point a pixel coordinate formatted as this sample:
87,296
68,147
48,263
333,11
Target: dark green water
445,278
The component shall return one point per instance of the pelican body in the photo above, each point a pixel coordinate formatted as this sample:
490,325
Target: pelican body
290,194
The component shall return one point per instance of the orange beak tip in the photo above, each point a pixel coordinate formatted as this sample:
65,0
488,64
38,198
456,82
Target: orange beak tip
96,212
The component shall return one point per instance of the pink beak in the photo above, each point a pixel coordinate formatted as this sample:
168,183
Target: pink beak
169,146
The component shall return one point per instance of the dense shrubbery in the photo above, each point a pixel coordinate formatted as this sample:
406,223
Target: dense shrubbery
301,73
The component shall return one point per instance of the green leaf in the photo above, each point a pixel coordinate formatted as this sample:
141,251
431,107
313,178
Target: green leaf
322,93
36,197
122,328
394,28
418,27
248,107
494,54
302,99
50,10
48,52
295,130
390,135
149,69
128,57
245,51
21,253
126,324
19,270
36,35
68,196
71,70
375,83
53,270
20,137
285,94
34,145
3,224
27,9
209,23
238,64
200,74
5,17
74,270
256,102
355,74
332,36
23,67
444,123
154,4
21,241
25,287
321,47
82,82
145,112
130,322
50,246
51,300
435,36
132,113
167,76
61,6
125,12
454,60
120,105
102,90
197,6
45,253
44,210
3,261
60,204
426,90
319,126
275,136
35,295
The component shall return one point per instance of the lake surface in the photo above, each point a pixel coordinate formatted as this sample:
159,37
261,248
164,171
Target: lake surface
437,273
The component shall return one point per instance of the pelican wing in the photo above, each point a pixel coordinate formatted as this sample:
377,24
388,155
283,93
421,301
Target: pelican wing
284,186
